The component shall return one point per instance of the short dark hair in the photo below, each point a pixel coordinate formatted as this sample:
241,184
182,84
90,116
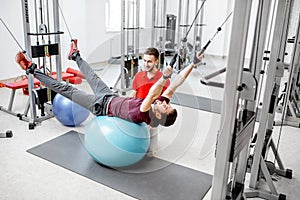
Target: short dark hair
165,120
152,51
170,118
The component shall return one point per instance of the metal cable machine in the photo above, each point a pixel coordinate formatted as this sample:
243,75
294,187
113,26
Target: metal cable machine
237,121
289,101
130,36
198,29
47,39
259,168
159,28
170,34
239,105
182,29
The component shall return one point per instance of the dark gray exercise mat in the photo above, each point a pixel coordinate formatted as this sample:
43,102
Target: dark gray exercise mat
168,181
197,102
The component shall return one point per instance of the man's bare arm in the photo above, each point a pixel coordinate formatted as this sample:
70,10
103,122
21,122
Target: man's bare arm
180,78
156,89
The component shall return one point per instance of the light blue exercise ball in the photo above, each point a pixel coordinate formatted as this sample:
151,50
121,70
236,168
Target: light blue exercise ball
68,112
115,142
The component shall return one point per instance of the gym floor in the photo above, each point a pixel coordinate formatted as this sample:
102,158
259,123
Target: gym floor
25,176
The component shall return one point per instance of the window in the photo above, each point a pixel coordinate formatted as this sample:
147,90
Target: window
113,14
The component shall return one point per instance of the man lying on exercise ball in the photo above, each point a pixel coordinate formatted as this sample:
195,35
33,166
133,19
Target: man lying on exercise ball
154,110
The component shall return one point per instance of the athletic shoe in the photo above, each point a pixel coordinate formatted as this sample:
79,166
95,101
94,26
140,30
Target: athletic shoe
73,50
23,61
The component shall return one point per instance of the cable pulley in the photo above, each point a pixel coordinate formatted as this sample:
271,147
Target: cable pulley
211,39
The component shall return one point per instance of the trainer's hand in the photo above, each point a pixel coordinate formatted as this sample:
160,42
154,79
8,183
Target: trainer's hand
168,71
197,58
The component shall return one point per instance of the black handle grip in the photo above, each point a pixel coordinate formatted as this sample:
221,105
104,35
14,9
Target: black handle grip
204,48
173,60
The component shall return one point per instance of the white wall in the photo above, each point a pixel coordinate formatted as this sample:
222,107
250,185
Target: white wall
75,15
98,39
104,44
86,21
11,15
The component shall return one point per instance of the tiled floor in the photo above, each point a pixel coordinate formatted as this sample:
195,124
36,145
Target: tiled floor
24,176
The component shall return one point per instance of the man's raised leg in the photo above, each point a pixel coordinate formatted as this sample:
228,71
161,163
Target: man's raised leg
95,82
80,97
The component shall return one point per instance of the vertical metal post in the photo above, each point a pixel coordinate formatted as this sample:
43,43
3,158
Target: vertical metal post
259,43
136,30
158,23
198,28
122,44
178,25
186,17
153,23
201,25
164,24
275,58
233,79
127,28
280,67
294,72
182,42
197,35
57,39
26,26
27,39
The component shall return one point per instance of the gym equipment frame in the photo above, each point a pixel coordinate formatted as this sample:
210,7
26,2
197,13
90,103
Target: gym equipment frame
159,29
236,124
40,50
130,37
291,101
239,105
275,72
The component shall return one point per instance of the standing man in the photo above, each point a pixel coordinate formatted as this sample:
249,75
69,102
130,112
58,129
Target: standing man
142,83
144,79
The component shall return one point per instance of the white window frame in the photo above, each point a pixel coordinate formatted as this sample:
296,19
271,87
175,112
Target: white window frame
113,15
